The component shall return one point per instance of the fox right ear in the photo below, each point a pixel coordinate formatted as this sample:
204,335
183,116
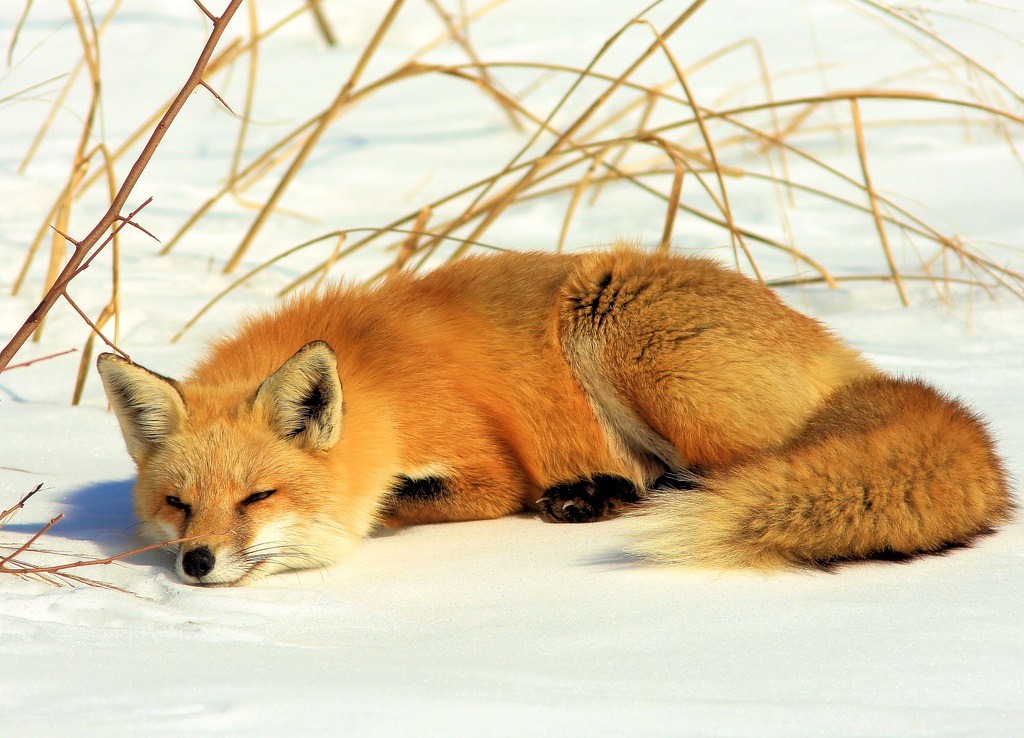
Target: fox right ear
303,399
148,407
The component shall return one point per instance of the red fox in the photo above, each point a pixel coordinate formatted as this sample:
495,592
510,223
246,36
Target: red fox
739,432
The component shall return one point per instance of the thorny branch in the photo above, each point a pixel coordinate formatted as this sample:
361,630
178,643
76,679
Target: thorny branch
84,250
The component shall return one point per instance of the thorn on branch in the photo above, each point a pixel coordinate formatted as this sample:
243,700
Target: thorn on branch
219,98
129,221
208,14
65,236
121,222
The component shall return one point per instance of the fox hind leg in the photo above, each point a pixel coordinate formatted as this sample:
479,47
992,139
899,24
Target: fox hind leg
620,348
687,364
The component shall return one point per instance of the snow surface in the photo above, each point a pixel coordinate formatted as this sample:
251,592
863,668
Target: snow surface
514,626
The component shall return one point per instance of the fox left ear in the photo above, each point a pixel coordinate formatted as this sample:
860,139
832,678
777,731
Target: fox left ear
150,408
303,398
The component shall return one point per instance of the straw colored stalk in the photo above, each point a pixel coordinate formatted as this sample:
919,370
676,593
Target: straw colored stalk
343,98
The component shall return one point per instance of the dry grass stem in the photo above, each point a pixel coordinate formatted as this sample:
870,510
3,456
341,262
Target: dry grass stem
605,121
342,98
737,237
862,155
321,22
331,260
411,243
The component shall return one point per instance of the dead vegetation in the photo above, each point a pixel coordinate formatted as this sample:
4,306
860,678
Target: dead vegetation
663,138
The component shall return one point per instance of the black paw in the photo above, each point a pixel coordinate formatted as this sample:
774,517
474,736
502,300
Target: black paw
587,500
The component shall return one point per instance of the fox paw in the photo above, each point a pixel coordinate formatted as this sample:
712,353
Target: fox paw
587,500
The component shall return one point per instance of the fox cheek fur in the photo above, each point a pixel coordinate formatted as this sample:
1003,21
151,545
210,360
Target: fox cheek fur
736,431
245,490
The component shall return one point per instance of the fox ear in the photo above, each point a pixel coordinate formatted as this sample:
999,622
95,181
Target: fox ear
148,407
303,398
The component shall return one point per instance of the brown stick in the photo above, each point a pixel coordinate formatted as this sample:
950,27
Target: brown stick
20,504
83,248
41,358
27,544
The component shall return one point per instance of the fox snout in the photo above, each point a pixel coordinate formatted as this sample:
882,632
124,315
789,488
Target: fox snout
199,565
198,562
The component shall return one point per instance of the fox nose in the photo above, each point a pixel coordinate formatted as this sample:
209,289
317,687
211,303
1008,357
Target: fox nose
198,562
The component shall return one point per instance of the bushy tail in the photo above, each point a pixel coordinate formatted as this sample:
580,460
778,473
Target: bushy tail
888,468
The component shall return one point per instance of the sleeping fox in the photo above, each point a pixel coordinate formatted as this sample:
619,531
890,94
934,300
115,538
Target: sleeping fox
739,433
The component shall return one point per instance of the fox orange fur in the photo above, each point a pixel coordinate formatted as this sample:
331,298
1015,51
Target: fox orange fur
739,432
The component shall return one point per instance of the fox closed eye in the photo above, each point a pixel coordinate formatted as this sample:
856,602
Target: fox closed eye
258,496
177,504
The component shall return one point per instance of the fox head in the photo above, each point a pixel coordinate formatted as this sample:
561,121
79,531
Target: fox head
247,478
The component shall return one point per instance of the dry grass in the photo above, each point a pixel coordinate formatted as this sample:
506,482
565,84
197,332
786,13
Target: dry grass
662,138
596,147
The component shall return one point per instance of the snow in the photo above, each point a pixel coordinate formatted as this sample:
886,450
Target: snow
508,627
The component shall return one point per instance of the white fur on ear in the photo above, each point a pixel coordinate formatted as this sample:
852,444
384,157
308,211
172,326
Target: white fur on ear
148,407
303,398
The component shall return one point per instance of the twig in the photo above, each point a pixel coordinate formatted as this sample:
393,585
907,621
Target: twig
6,514
41,358
92,325
209,15
121,223
59,568
110,217
27,544
221,100
129,221
10,564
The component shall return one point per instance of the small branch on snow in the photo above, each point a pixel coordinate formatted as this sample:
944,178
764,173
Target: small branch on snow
28,544
9,564
6,514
